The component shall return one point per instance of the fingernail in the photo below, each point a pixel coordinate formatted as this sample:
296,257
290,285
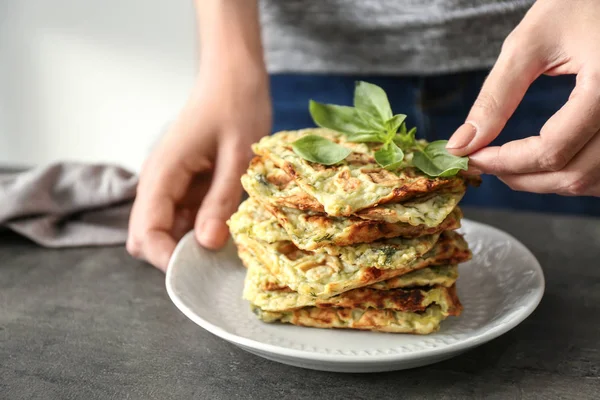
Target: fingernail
213,233
463,136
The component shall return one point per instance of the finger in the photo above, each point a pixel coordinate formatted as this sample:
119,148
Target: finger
471,171
163,183
560,139
151,223
197,190
187,209
500,95
158,248
183,223
581,177
223,196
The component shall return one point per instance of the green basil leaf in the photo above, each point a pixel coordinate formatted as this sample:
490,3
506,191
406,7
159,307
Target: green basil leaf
407,139
343,119
402,130
374,123
394,123
372,99
367,137
389,156
435,160
317,149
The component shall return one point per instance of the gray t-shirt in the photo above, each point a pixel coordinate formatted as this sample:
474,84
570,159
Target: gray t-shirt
386,37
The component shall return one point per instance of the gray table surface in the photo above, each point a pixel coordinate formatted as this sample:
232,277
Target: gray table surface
95,324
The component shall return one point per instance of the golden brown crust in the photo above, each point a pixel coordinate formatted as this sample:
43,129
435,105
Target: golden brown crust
358,179
362,230
420,188
373,275
299,199
372,320
270,189
408,300
433,275
457,307
451,248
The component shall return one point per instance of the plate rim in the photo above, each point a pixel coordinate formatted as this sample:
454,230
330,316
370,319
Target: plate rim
461,345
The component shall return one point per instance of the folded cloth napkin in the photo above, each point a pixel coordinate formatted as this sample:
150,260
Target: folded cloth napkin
68,204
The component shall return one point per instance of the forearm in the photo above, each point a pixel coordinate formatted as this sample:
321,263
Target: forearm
229,34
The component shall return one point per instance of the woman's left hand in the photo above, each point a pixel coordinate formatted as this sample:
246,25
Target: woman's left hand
556,37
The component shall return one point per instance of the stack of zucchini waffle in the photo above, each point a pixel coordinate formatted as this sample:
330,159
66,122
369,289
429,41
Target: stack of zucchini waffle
350,245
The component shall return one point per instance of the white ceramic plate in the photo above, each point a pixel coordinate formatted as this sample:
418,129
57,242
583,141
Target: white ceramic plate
499,288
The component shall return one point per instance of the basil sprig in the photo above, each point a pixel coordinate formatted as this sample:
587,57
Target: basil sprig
434,160
371,121
317,149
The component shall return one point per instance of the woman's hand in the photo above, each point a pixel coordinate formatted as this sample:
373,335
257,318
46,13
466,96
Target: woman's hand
192,178
556,37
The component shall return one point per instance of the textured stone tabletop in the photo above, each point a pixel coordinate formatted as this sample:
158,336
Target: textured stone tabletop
95,324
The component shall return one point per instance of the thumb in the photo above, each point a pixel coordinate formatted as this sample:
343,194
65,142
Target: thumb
500,95
224,195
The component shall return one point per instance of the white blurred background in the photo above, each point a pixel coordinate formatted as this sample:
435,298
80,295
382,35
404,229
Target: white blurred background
91,80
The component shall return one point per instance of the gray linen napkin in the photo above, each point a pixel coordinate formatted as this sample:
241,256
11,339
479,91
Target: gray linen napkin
68,204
